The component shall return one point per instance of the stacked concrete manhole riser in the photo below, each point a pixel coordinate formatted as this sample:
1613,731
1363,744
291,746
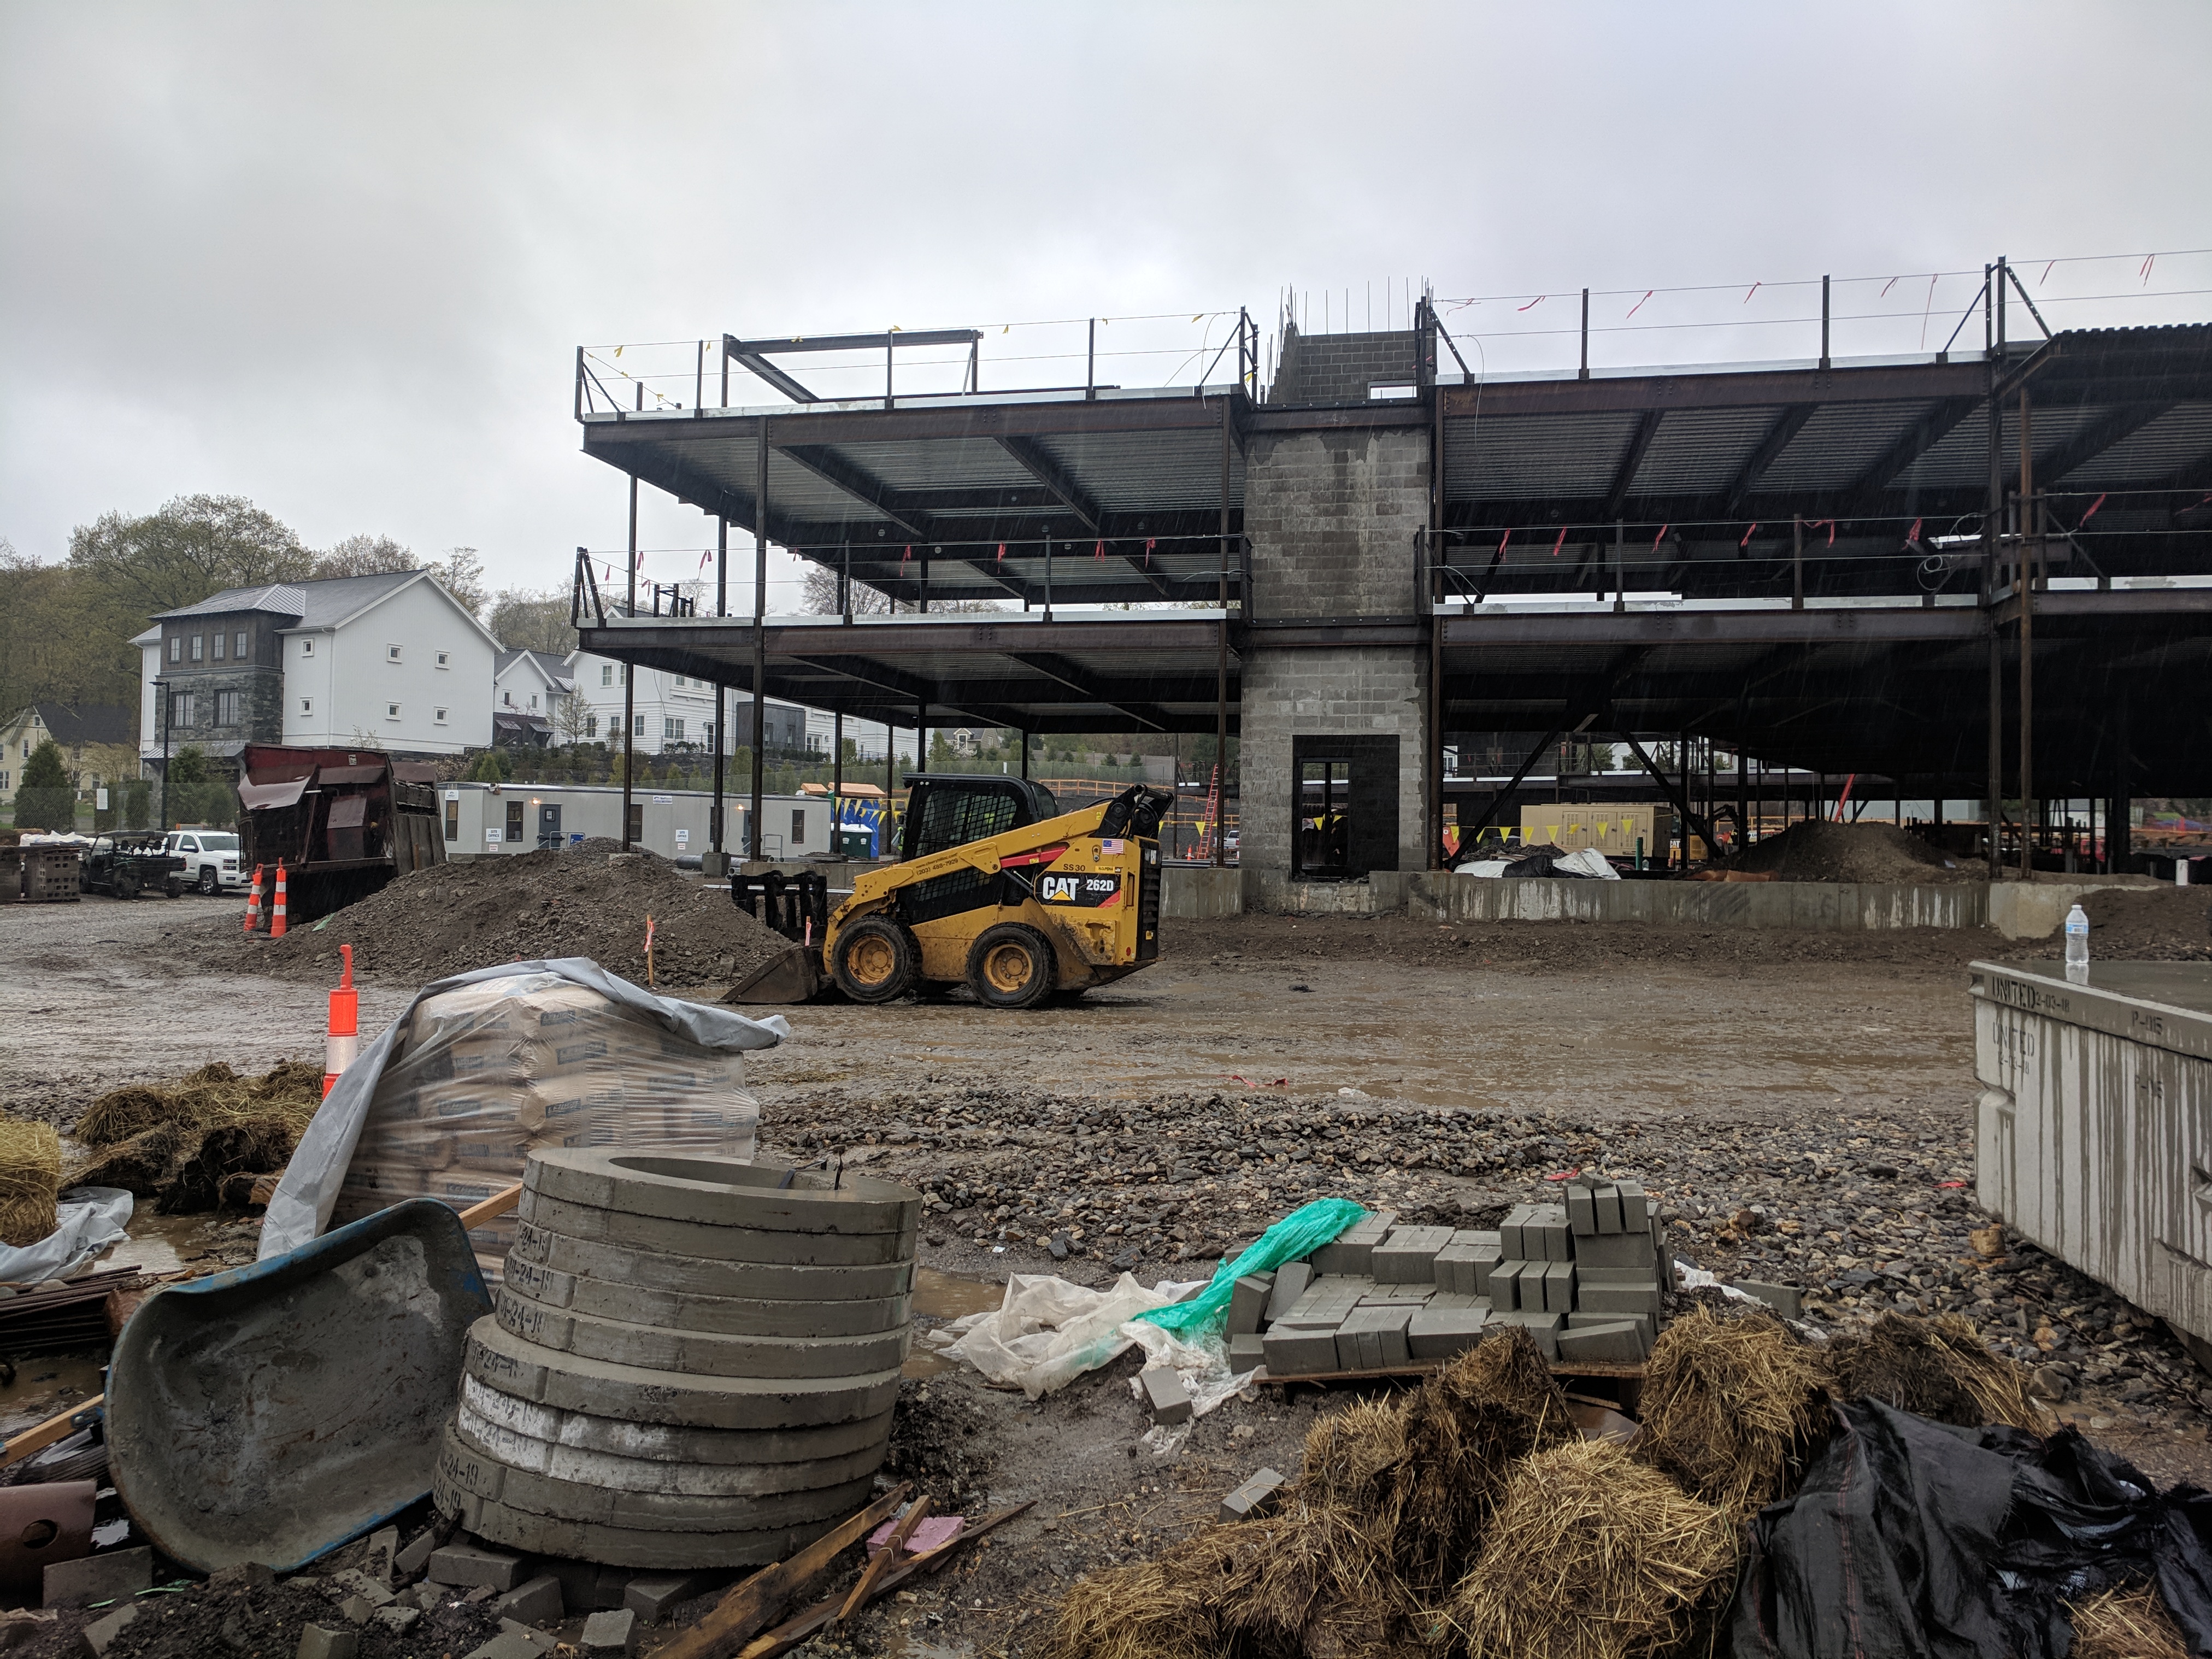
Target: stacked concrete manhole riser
693,1363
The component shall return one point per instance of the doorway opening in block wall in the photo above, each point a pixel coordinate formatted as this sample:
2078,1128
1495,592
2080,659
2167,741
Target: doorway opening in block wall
1344,806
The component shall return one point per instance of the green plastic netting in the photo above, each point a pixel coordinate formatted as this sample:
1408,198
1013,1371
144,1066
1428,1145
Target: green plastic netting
1299,1233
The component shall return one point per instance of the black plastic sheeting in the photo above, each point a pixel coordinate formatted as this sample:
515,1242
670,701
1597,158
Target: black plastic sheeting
1909,1537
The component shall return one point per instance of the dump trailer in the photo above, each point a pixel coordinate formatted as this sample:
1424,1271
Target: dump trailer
996,889
342,822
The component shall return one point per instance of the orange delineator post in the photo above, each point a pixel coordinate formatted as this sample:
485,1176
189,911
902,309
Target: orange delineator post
343,1041
277,923
253,902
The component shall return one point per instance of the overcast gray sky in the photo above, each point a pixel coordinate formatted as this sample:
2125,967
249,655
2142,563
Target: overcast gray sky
337,258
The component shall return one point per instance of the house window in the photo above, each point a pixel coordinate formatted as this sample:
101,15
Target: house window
391,711
391,654
181,708
798,825
226,709
672,729
606,673
445,659
238,645
638,731
177,649
306,648
306,705
591,726
439,715
534,702
507,699
452,820
220,641
197,647
514,820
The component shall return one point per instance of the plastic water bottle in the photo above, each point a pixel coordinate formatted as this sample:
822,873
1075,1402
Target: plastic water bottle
2077,946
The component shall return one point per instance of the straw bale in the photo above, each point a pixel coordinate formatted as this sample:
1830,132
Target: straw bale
1731,1407
145,1163
30,1176
2126,1623
1936,1368
122,1113
1592,1555
243,1145
1147,1610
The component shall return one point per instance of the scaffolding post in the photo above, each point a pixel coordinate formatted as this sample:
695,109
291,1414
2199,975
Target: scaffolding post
1992,531
2024,591
721,691
630,679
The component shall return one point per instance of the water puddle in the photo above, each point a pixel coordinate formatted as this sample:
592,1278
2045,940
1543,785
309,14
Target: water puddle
46,1385
940,1295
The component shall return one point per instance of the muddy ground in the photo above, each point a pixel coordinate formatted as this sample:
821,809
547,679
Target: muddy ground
1800,1104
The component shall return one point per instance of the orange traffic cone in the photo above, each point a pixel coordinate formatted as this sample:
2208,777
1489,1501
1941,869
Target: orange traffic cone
253,902
277,923
343,1041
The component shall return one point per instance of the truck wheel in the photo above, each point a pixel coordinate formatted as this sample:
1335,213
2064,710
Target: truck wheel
208,882
878,960
126,887
173,888
1009,966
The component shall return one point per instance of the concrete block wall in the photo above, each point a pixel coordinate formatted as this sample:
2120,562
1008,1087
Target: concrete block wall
1339,369
1331,516
1326,690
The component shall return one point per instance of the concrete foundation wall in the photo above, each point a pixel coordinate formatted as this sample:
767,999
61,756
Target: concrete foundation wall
1804,906
1326,691
1199,892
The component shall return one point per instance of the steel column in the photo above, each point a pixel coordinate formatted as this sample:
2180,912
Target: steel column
2024,584
721,691
1221,662
760,646
630,679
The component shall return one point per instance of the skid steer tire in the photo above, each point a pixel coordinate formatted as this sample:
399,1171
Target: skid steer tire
877,961
1010,966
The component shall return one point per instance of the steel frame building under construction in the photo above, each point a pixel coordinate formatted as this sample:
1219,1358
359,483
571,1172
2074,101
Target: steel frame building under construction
1983,575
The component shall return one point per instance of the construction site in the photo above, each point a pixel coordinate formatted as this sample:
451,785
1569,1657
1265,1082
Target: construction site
1674,1001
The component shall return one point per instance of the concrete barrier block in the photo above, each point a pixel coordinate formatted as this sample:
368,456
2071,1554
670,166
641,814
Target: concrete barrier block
1543,1327
1646,1325
96,1637
1512,1245
1435,1333
610,1632
1505,1285
1615,1250
1246,1351
1291,1352
416,1556
1606,1201
1164,1394
1788,1300
101,1577
1635,1213
1558,1287
651,1596
1581,1211
471,1564
1617,1299
1408,1256
1254,1496
1292,1279
1350,1251
536,1601
319,1642
1248,1303
1617,1343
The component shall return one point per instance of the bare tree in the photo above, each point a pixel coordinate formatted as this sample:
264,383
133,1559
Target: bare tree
524,619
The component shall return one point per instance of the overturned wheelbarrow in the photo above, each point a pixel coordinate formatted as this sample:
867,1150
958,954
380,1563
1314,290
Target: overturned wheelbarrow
272,1413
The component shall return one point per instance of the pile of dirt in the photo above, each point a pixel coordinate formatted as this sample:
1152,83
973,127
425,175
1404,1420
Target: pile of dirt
476,912
1817,850
2146,924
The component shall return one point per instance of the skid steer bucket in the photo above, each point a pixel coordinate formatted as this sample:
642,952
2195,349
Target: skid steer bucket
791,975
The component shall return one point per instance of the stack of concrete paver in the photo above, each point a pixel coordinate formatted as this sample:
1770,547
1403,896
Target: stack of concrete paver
692,1365
1584,1276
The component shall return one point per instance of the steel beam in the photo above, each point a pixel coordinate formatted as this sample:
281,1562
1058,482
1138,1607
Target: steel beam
2108,429
1786,426
1056,482
1624,475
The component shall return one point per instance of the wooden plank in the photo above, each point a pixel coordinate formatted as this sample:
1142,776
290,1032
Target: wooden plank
54,1429
789,1634
885,1559
748,1608
493,1207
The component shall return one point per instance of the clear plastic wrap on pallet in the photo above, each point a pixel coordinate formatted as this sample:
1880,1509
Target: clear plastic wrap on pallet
483,1069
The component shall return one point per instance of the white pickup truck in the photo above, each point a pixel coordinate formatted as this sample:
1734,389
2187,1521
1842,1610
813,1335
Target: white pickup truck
211,859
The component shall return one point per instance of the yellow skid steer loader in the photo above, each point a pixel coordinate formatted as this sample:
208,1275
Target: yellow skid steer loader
996,888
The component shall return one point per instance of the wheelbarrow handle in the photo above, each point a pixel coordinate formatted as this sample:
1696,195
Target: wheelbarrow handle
492,1208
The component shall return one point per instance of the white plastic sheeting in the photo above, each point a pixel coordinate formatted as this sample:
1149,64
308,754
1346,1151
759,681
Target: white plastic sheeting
1047,1332
87,1220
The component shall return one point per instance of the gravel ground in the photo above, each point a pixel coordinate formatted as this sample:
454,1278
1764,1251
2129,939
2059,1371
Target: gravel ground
1800,1104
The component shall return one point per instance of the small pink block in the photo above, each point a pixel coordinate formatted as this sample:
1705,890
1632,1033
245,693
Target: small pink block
929,1533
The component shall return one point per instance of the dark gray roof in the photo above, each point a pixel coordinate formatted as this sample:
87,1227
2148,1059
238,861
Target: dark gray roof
314,604
70,724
